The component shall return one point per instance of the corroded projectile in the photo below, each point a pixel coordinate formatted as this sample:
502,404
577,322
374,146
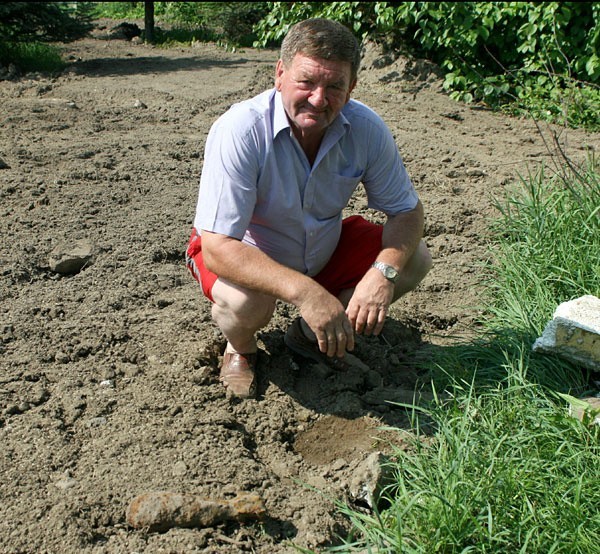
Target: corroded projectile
162,510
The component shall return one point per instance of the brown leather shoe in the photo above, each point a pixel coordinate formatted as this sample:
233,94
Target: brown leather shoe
238,374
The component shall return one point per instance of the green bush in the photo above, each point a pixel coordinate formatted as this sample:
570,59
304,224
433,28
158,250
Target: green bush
42,21
536,57
228,22
26,28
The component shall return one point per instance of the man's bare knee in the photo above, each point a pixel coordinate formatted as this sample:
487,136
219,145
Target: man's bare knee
415,271
252,308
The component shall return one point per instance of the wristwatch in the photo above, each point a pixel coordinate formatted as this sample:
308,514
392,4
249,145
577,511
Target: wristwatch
389,272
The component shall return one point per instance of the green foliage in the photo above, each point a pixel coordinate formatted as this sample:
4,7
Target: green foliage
526,54
506,471
546,239
27,27
361,17
42,22
119,10
31,56
227,22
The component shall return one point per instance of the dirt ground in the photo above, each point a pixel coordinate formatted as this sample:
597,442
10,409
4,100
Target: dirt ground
108,376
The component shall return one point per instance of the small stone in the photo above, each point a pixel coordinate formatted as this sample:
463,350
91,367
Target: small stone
586,410
373,379
23,406
11,409
62,357
180,469
69,258
370,478
65,483
39,396
97,422
475,172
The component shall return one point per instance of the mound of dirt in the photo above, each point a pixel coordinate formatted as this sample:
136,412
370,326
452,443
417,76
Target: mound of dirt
108,381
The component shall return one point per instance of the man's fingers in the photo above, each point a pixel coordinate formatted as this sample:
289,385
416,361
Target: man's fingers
370,322
380,321
335,342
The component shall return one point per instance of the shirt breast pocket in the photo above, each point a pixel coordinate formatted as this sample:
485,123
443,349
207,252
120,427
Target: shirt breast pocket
332,196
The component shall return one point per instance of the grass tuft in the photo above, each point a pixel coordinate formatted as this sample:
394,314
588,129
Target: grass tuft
31,56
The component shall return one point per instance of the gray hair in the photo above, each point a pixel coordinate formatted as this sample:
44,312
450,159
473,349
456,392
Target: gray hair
321,38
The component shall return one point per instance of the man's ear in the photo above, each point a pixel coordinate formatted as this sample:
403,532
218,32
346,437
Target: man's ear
279,70
350,89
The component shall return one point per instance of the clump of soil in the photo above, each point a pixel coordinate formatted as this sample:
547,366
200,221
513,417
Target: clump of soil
108,386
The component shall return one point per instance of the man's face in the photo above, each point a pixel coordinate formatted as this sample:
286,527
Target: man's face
313,91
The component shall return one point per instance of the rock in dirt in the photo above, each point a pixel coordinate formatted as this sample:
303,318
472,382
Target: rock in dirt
69,258
370,478
163,510
574,332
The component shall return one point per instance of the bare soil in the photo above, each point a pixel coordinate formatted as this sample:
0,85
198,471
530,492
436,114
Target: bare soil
109,376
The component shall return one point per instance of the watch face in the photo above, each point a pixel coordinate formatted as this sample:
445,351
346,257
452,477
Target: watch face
390,273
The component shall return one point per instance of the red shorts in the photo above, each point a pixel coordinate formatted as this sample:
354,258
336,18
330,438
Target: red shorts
359,245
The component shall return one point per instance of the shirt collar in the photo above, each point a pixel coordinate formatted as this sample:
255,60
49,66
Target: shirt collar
280,120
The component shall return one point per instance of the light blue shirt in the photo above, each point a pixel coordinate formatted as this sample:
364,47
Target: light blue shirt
258,186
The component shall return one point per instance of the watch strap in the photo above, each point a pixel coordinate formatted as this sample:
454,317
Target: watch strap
388,271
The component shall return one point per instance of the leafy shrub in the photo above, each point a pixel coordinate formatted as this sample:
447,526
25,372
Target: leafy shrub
230,22
42,21
520,53
26,28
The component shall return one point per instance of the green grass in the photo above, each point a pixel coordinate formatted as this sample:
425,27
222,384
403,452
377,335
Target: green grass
31,56
546,240
506,469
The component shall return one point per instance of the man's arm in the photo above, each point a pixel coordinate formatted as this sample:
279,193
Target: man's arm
368,305
252,269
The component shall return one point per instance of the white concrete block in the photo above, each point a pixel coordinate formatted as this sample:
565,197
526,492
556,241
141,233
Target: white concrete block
574,332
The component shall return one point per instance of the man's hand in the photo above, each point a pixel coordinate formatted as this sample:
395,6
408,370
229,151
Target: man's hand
369,303
326,317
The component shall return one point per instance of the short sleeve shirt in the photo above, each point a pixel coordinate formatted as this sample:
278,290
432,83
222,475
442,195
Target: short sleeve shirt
258,186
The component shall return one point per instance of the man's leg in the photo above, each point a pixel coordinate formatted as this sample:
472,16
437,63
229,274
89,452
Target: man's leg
414,271
240,313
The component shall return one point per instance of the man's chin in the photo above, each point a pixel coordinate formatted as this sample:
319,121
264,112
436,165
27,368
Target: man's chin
313,122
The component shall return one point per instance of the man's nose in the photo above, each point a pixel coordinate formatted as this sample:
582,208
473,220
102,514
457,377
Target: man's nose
318,97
